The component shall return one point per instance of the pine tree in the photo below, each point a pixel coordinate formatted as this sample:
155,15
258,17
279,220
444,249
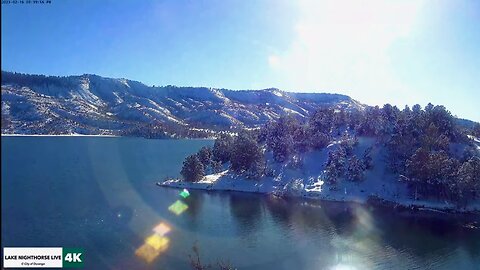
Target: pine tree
205,155
300,139
325,120
335,165
476,130
367,158
469,178
247,156
432,172
222,148
216,166
282,137
318,140
193,169
372,123
355,169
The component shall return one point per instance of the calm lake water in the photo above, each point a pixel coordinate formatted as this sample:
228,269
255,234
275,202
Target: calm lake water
100,194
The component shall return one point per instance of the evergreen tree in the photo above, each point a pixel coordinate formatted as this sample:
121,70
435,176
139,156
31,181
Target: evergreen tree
205,155
318,140
335,165
280,137
476,130
355,169
372,123
193,169
432,172
222,148
354,118
367,159
300,139
469,178
390,116
247,156
216,166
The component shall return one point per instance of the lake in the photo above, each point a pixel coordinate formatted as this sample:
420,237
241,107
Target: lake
99,194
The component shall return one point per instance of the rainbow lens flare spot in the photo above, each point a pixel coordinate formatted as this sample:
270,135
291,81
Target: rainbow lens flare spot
159,243
154,245
184,193
178,207
161,229
147,253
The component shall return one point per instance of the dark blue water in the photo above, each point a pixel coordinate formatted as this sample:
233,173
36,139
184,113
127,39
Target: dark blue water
100,194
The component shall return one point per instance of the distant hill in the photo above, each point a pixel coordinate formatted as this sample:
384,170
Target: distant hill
90,104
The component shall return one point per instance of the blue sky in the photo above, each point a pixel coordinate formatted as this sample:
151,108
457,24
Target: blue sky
400,52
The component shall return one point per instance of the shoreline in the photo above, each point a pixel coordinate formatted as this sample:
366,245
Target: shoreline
372,200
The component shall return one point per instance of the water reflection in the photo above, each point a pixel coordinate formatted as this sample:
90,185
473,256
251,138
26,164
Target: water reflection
248,216
431,237
195,203
310,216
352,236
100,195
345,232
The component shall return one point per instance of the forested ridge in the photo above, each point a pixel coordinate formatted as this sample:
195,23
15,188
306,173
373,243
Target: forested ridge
425,148
95,105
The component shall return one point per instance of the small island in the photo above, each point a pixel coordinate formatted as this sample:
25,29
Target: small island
422,159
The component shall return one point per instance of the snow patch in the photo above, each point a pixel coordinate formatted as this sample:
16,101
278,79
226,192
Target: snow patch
287,110
124,82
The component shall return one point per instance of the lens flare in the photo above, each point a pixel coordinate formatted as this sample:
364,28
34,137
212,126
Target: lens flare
147,253
161,229
184,193
178,207
159,243
155,244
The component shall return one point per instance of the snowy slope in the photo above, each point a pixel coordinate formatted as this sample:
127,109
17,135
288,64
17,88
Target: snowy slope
90,104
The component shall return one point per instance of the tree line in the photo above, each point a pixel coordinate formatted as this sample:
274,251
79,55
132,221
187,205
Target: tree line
425,147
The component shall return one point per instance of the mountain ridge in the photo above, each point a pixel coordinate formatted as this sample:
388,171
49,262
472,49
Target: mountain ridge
92,104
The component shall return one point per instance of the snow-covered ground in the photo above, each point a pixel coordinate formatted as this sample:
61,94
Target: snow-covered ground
476,141
308,181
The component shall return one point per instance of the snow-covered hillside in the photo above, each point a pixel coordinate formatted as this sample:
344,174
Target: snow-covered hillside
412,157
90,104
309,181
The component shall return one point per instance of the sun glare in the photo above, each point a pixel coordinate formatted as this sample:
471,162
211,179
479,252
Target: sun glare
345,46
